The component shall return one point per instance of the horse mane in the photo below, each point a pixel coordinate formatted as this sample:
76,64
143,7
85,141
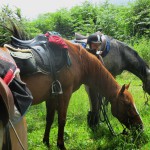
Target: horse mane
94,69
142,65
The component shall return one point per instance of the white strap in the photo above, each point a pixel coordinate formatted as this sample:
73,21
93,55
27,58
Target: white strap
98,37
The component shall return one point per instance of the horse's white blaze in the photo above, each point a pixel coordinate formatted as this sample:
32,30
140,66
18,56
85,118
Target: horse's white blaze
136,108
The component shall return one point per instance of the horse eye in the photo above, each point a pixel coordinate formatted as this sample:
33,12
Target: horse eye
130,110
129,106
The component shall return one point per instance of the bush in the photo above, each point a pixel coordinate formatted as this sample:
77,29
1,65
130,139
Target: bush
143,48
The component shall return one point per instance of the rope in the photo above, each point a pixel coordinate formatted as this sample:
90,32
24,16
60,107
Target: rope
103,110
103,105
16,134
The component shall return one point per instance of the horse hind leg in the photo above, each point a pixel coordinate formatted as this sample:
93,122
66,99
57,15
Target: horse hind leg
50,113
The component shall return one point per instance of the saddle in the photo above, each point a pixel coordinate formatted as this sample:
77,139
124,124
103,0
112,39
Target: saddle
80,37
38,40
105,45
45,53
46,57
40,51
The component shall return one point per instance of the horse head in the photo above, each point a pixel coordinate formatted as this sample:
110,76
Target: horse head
124,109
146,83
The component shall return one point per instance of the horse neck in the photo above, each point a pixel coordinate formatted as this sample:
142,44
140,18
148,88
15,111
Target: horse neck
134,63
97,76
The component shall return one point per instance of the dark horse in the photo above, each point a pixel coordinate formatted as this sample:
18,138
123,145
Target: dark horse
118,57
13,134
84,69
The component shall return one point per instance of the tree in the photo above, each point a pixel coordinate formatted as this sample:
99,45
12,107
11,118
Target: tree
140,18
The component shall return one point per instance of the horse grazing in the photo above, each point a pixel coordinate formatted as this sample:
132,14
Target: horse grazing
117,57
84,69
13,134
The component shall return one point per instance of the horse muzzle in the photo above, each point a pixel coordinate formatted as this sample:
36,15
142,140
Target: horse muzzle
135,124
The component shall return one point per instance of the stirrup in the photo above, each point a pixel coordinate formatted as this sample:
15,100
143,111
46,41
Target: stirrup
56,88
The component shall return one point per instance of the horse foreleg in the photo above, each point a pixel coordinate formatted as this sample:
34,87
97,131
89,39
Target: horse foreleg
62,112
50,112
94,113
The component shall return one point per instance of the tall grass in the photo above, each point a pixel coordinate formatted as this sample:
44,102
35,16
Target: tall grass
78,136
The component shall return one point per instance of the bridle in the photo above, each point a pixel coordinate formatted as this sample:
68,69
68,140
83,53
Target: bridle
104,113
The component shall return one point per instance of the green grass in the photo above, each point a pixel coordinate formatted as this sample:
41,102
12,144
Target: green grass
78,136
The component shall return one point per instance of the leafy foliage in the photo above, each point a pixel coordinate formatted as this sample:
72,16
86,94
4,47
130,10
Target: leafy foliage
12,23
141,17
143,46
126,23
84,18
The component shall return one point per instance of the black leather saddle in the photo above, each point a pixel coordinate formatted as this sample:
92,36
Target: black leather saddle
38,40
49,59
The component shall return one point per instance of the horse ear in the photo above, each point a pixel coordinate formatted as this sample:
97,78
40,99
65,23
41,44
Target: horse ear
127,86
122,89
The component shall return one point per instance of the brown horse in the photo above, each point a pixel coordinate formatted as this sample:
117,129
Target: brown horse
85,69
13,135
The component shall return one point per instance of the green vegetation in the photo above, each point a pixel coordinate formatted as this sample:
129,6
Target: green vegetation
129,23
78,136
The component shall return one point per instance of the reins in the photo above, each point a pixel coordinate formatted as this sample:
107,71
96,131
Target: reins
106,119
103,106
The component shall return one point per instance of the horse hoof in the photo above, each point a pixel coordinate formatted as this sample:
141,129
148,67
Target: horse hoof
46,143
61,146
92,119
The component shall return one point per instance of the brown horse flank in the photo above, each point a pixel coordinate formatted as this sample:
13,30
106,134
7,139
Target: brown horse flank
85,69
13,135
